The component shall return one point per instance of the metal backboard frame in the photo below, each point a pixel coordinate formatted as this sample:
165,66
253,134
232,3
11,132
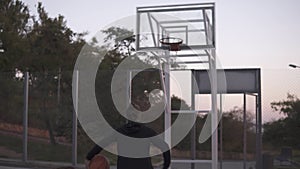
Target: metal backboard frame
236,81
195,25
230,81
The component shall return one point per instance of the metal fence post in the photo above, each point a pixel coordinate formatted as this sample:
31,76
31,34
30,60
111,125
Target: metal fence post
25,117
74,129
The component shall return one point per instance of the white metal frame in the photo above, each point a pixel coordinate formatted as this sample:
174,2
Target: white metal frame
208,50
253,90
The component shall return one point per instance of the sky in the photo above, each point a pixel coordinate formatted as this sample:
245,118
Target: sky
249,34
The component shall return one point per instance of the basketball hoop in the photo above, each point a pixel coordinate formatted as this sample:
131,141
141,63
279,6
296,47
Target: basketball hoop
174,43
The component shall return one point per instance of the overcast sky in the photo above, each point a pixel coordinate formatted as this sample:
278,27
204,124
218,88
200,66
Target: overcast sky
250,33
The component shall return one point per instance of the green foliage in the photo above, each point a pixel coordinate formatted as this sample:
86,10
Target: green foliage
45,47
232,133
37,150
233,130
285,131
54,49
178,103
14,25
53,44
289,107
120,39
11,95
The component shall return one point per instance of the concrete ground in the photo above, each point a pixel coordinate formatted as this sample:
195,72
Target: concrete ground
3,167
225,165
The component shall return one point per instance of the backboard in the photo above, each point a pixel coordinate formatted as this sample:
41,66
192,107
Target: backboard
193,23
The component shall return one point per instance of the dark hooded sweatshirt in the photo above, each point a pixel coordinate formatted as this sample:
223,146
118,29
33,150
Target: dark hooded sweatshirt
135,130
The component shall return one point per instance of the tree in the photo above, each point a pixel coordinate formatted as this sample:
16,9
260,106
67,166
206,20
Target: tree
14,25
179,104
285,131
233,130
14,28
289,107
53,44
120,39
53,50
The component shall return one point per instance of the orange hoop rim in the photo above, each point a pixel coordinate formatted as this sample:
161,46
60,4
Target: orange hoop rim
174,43
171,41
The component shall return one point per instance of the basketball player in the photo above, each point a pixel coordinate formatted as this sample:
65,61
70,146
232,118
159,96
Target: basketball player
135,130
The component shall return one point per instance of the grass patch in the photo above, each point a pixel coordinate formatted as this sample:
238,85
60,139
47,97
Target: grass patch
13,143
43,151
37,150
48,152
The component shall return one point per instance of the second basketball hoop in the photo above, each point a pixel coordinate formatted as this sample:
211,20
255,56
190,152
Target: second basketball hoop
173,43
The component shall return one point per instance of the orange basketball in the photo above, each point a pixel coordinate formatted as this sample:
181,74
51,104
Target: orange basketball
99,162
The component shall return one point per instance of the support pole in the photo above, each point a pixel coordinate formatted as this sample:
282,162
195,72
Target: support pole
193,130
221,132
25,117
245,133
214,110
193,144
259,126
168,99
58,86
138,20
74,128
